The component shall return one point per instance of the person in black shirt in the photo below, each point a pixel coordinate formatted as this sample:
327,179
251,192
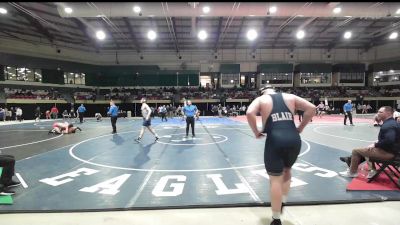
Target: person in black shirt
7,162
283,143
37,114
386,148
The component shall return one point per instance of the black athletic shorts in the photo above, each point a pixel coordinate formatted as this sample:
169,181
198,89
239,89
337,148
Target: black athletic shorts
281,150
146,123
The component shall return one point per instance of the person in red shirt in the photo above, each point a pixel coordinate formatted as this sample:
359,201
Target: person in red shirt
54,112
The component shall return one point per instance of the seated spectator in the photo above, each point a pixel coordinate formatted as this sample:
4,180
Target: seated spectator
386,148
65,114
7,162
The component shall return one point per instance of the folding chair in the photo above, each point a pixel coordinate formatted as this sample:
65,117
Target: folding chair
385,165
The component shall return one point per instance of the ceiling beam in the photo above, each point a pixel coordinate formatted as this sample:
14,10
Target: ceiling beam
16,37
174,34
133,36
106,26
336,41
323,31
36,24
218,33
261,38
82,28
239,32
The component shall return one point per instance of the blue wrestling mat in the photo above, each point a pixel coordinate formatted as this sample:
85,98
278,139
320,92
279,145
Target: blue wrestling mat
222,166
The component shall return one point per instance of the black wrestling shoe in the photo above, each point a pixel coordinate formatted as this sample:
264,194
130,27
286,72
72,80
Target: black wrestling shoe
276,222
6,191
78,128
347,160
12,183
157,139
138,140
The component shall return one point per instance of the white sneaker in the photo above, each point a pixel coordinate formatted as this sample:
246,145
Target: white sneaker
371,173
347,173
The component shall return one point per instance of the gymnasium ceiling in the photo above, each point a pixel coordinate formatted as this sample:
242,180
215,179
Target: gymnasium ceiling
177,24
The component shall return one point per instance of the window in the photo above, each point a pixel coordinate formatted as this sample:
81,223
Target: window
74,78
315,78
230,79
38,75
353,77
276,78
22,74
11,73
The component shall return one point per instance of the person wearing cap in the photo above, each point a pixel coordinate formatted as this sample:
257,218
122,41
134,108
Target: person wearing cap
283,143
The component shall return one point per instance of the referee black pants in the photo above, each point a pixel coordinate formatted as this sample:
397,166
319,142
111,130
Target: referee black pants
114,123
348,114
189,121
7,162
81,117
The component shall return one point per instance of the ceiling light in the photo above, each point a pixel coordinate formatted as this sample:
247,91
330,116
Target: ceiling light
347,35
300,34
393,35
252,34
391,71
68,10
3,10
398,11
100,35
272,9
137,9
337,10
151,35
206,9
202,35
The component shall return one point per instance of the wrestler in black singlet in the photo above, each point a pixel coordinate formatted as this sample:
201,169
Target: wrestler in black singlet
283,142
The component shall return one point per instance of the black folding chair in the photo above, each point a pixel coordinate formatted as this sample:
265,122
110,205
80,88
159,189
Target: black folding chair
391,165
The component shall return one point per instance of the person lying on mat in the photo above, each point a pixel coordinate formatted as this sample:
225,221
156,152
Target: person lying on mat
386,148
63,128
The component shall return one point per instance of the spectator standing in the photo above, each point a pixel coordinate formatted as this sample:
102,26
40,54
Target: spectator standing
18,113
54,112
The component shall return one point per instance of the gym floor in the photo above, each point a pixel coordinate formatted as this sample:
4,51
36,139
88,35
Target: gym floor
219,172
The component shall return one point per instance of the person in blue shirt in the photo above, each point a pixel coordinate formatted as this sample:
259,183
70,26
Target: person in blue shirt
347,108
81,111
190,112
113,112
